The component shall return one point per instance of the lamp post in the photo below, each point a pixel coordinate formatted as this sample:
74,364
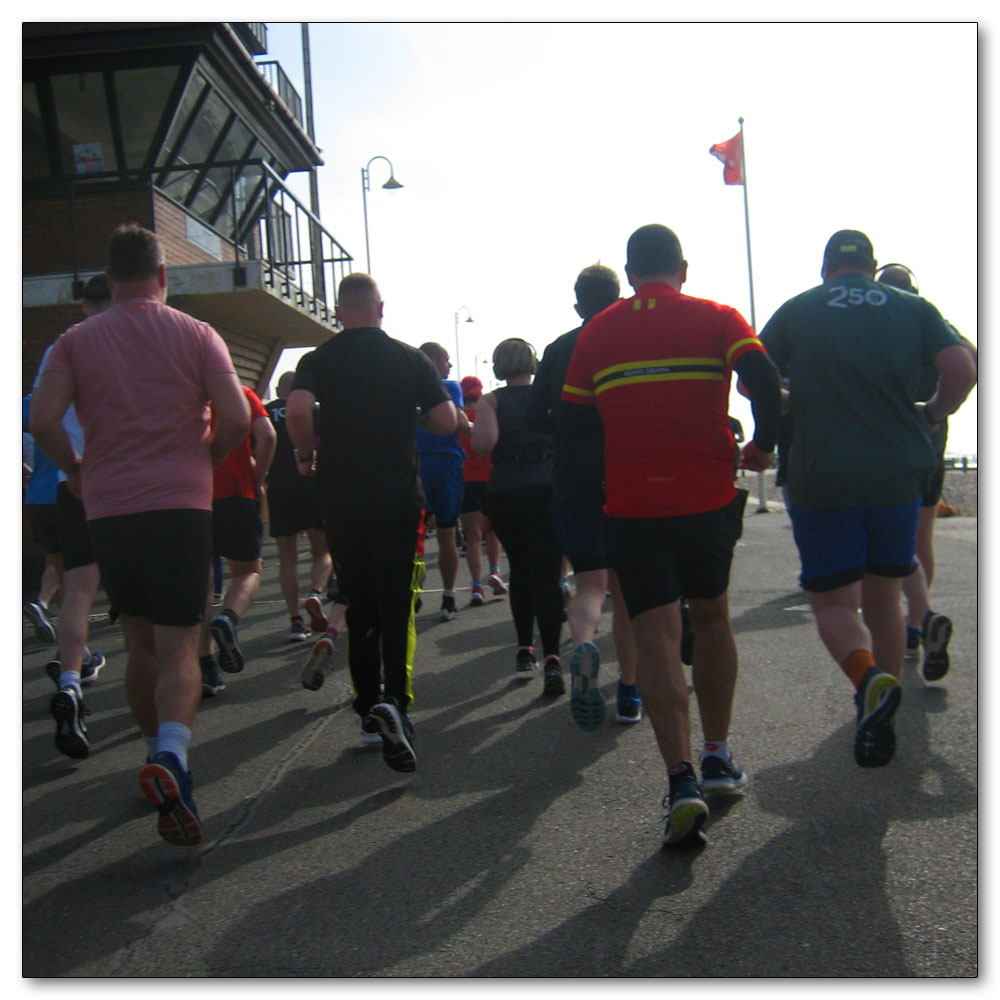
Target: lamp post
457,353
391,184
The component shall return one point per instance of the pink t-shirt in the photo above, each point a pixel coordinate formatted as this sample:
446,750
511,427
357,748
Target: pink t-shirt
138,372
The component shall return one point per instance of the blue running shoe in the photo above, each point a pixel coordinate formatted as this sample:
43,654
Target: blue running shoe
212,681
71,732
586,703
629,704
721,777
687,812
224,633
396,731
877,700
937,635
168,787
88,672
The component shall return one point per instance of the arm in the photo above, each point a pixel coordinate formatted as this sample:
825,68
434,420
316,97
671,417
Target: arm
760,378
299,422
957,373
49,402
442,419
232,413
485,429
265,440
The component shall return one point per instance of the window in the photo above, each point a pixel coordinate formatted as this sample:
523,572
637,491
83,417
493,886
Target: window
86,142
142,96
34,151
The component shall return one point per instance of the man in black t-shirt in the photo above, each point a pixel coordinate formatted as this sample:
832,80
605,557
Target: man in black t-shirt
293,506
372,391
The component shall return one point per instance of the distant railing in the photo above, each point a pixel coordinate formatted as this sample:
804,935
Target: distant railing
962,463
272,72
302,261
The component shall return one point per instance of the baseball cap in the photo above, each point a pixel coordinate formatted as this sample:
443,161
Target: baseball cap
471,386
96,289
849,246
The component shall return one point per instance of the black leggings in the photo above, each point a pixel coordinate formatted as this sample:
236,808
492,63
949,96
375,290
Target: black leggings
522,520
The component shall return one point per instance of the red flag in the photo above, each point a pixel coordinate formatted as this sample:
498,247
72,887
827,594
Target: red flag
731,154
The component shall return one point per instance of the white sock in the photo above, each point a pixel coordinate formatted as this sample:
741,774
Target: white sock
70,679
716,748
175,738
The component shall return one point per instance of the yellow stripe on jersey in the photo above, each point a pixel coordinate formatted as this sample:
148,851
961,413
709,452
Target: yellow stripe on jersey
739,344
617,381
574,391
658,363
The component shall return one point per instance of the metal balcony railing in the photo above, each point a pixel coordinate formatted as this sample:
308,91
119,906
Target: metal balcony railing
272,72
256,214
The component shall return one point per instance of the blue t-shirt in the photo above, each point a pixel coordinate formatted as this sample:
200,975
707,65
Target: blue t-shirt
44,472
443,444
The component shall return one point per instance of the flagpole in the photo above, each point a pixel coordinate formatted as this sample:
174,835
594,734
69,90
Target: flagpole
746,221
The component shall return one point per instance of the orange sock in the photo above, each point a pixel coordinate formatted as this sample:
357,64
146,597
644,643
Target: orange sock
857,665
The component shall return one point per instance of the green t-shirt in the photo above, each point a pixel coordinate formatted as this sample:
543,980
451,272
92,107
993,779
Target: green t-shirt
853,350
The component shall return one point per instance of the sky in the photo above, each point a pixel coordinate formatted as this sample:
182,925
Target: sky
529,150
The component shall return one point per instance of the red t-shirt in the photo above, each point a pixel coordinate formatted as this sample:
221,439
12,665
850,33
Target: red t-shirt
234,478
475,469
657,366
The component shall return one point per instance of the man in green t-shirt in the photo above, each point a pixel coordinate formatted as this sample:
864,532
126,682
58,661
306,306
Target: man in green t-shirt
852,350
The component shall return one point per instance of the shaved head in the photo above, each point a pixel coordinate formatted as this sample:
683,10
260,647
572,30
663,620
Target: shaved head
359,302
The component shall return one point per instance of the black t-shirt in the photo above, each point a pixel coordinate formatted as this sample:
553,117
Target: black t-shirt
284,469
369,388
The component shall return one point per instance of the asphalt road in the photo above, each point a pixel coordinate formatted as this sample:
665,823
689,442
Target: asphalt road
523,846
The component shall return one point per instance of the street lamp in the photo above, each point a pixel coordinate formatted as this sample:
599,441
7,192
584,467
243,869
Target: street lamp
457,355
391,184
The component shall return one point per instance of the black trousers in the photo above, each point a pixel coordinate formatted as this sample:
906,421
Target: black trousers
379,566
522,520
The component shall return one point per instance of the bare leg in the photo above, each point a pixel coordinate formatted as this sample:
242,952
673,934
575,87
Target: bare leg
288,572
322,563
79,588
661,680
584,611
447,556
715,667
621,626
472,525
883,615
839,621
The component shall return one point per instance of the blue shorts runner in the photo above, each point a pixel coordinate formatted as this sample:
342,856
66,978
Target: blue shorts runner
839,545
443,481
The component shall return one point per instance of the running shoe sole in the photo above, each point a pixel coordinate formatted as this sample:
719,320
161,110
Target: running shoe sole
624,717
314,609
44,630
230,656
370,732
685,822
586,702
71,733
497,585
936,661
178,823
875,738
397,751
317,666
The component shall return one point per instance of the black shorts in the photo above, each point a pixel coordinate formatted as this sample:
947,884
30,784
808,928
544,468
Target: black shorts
45,521
77,547
472,498
581,526
293,507
155,564
237,529
933,487
658,559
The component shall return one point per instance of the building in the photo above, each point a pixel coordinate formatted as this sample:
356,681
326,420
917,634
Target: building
184,129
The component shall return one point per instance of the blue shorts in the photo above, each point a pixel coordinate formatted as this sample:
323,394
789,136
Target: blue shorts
443,480
580,525
839,545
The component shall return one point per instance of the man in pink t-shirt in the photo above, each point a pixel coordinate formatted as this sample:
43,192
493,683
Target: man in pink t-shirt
141,376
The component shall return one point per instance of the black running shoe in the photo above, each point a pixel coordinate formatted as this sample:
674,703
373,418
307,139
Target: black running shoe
71,731
877,700
526,662
721,777
687,812
224,633
212,681
396,731
937,635
553,678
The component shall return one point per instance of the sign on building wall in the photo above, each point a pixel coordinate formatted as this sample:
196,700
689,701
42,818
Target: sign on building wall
88,157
